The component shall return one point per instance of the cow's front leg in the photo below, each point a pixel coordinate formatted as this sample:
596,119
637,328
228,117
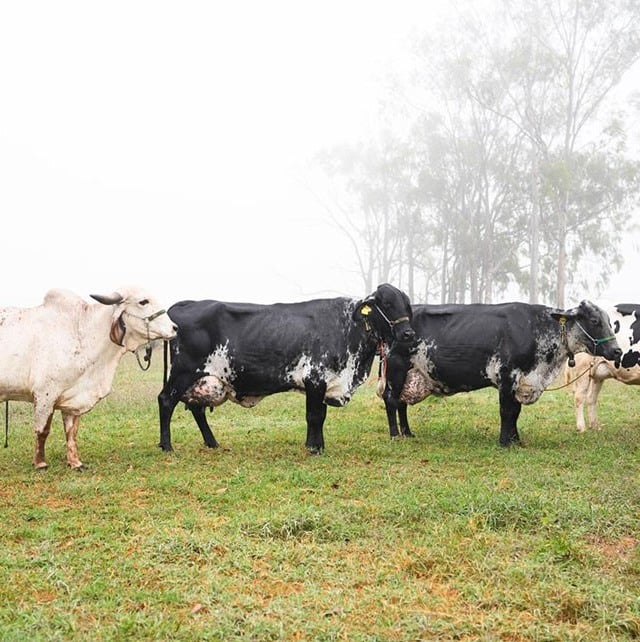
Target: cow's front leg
167,401
42,429
509,413
198,413
404,420
595,386
397,367
71,423
390,408
316,414
580,392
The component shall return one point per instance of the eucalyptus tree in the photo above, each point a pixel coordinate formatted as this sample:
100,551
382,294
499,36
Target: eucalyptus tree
559,64
378,208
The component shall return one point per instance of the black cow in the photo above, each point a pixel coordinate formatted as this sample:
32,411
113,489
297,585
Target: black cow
517,348
244,352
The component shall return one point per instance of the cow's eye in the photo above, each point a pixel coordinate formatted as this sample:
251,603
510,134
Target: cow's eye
144,302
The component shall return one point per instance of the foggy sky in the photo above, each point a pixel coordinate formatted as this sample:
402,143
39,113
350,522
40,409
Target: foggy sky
167,144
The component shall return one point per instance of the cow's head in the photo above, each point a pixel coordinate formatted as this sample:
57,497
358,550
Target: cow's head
387,313
137,318
586,328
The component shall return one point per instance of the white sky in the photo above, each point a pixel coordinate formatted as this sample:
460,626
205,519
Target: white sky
165,143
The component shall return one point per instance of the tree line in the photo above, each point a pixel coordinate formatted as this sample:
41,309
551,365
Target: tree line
504,165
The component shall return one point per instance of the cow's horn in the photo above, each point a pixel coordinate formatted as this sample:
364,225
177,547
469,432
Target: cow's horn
110,299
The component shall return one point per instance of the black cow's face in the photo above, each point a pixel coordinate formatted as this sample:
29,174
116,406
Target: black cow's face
388,312
593,330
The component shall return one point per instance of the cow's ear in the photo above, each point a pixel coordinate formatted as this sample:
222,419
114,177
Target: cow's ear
567,314
118,329
363,309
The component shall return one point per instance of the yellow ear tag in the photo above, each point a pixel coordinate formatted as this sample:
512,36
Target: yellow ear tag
365,310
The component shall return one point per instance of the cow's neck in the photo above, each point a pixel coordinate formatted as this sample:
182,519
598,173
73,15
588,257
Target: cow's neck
97,347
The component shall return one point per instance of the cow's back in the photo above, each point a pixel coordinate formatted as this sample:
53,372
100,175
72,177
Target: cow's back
38,341
467,344
261,349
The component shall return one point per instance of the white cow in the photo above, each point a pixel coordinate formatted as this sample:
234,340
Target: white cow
63,354
589,373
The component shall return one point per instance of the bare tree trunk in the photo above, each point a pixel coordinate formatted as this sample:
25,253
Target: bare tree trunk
562,253
534,230
443,269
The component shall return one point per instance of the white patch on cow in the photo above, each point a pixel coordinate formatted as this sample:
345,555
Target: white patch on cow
301,371
420,383
624,335
529,386
218,364
492,371
340,385
217,387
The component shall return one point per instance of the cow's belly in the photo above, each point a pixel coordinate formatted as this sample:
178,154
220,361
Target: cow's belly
211,391
606,369
420,381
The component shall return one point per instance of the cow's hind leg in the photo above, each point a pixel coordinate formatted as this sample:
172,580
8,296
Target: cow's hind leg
509,412
316,414
42,429
71,424
198,413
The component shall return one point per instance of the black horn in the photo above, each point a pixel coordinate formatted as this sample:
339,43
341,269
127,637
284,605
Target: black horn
110,299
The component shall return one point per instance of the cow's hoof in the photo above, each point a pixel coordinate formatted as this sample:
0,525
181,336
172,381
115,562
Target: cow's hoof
166,449
314,450
79,469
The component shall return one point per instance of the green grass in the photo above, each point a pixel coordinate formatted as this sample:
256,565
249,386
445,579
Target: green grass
445,536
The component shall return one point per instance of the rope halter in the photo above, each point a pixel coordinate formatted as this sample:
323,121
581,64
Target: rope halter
563,335
147,346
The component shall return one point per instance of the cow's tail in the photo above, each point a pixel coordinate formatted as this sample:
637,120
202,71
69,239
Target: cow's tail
165,362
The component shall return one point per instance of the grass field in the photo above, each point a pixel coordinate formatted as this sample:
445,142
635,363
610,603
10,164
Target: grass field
441,537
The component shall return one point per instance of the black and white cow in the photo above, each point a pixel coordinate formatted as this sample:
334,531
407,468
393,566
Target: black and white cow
625,319
517,348
244,352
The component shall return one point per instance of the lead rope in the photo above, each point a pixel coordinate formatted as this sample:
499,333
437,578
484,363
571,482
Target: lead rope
6,423
148,350
572,380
